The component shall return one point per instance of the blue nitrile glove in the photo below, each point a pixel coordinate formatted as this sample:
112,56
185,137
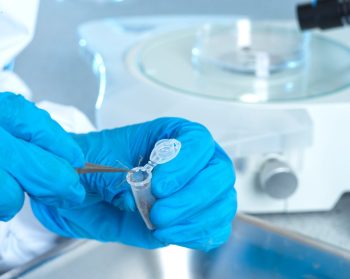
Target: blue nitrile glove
36,156
196,200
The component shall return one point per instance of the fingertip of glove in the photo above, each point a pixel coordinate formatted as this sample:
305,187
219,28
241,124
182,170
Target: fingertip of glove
68,186
7,214
11,197
73,196
71,150
125,202
159,189
160,242
159,215
77,158
78,193
163,187
6,218
224,237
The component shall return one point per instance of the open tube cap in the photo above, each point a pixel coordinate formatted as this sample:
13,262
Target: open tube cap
165,150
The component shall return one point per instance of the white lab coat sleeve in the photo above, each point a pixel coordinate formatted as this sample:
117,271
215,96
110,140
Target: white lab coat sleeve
17,24
24,238
10,82
69,117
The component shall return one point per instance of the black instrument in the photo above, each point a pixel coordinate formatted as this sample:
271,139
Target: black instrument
324,14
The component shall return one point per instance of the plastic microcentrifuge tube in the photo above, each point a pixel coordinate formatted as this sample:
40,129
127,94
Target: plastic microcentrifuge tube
140,178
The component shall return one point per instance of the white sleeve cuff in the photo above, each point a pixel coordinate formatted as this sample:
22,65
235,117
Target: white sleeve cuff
10,82
23,238
70,118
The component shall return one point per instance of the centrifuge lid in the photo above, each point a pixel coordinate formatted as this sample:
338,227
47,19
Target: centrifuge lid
166,59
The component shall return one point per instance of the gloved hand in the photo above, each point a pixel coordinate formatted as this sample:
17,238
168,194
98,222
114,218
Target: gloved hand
36,156
196,201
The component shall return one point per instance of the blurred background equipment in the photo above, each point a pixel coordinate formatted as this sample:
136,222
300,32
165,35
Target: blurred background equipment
324,14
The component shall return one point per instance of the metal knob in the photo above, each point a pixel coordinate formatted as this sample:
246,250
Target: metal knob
277,179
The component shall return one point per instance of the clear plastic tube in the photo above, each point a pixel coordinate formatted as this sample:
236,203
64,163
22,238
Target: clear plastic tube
140,178
140,182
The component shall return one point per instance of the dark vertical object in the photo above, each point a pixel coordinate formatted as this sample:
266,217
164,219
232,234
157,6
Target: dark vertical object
324,14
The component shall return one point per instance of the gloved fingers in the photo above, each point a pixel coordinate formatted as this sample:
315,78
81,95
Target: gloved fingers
197,148
41,174
200,193
102,222
24,120
124,201
218,238
100,148
111,187
11,196
206,229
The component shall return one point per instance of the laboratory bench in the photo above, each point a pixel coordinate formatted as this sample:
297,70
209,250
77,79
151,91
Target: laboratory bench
256,249
54,70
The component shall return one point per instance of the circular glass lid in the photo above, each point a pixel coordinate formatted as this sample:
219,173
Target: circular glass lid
217,62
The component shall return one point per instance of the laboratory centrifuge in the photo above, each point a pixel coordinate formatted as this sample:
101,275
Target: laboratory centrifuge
276,100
